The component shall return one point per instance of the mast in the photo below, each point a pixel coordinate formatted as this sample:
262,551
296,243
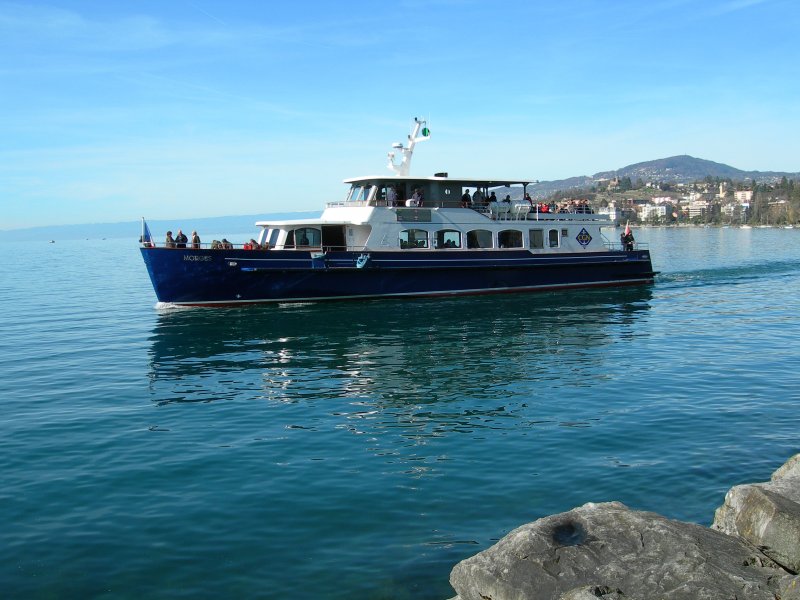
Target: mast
405,164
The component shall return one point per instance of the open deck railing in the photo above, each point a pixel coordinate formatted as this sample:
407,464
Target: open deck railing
498,211
609,245
207,246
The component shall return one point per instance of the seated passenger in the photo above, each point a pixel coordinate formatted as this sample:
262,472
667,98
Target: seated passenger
416,198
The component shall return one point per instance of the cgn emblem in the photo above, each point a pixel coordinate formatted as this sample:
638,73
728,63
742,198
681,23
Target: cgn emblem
583,237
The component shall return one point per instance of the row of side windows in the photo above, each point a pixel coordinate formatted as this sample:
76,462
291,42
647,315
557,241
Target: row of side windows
479,238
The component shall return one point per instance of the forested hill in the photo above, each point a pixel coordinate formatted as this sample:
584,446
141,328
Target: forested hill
675,169
685,169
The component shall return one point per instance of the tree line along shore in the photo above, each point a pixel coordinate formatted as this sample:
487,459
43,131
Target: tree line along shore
711,201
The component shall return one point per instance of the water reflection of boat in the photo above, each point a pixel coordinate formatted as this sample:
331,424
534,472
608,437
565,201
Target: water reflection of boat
390,352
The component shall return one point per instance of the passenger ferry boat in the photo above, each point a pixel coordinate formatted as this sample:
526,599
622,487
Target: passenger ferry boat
403,236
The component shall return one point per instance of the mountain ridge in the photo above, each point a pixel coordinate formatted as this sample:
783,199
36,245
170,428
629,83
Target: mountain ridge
233,224
681,168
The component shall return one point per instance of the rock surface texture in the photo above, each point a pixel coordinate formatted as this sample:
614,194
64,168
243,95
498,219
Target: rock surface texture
611,552
767,515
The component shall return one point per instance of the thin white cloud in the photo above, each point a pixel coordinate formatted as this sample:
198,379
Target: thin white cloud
208,14
34,26
736,5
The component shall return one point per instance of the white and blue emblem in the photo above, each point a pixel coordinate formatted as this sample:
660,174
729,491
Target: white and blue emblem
583,237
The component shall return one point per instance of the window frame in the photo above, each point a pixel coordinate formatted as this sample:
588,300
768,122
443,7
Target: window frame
310,232
531,236
479,233
441,239
412,235
514,235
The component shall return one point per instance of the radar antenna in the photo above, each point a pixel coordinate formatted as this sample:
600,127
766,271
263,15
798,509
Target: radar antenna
405,163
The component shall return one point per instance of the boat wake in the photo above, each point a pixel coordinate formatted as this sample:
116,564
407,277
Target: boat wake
170,307
737,275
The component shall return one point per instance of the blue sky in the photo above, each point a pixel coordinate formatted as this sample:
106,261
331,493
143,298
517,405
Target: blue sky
114,110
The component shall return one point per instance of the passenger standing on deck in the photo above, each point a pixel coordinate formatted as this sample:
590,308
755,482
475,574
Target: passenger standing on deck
627,239
466,200
391,196
181,239
195,240
169,242
477,199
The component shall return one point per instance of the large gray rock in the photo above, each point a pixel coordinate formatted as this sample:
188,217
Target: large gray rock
790,590
609,551
767,515
594,592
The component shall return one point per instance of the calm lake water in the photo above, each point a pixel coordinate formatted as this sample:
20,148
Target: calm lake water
359,450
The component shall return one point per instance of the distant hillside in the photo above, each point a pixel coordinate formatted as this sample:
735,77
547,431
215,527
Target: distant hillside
675,169
133,229
685,169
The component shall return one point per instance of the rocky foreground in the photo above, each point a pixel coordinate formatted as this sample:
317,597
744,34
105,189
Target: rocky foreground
608,551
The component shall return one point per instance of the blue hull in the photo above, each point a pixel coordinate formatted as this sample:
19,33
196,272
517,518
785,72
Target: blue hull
219,277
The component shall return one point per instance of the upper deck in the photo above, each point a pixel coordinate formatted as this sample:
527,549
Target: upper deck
439,191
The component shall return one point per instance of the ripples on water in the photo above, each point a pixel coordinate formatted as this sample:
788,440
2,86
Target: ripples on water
359,450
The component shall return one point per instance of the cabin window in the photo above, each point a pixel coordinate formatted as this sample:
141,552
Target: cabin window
510,238
303,237
413,238
479,238
553,238
269,237
564,233
358,193
536,238
448,238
